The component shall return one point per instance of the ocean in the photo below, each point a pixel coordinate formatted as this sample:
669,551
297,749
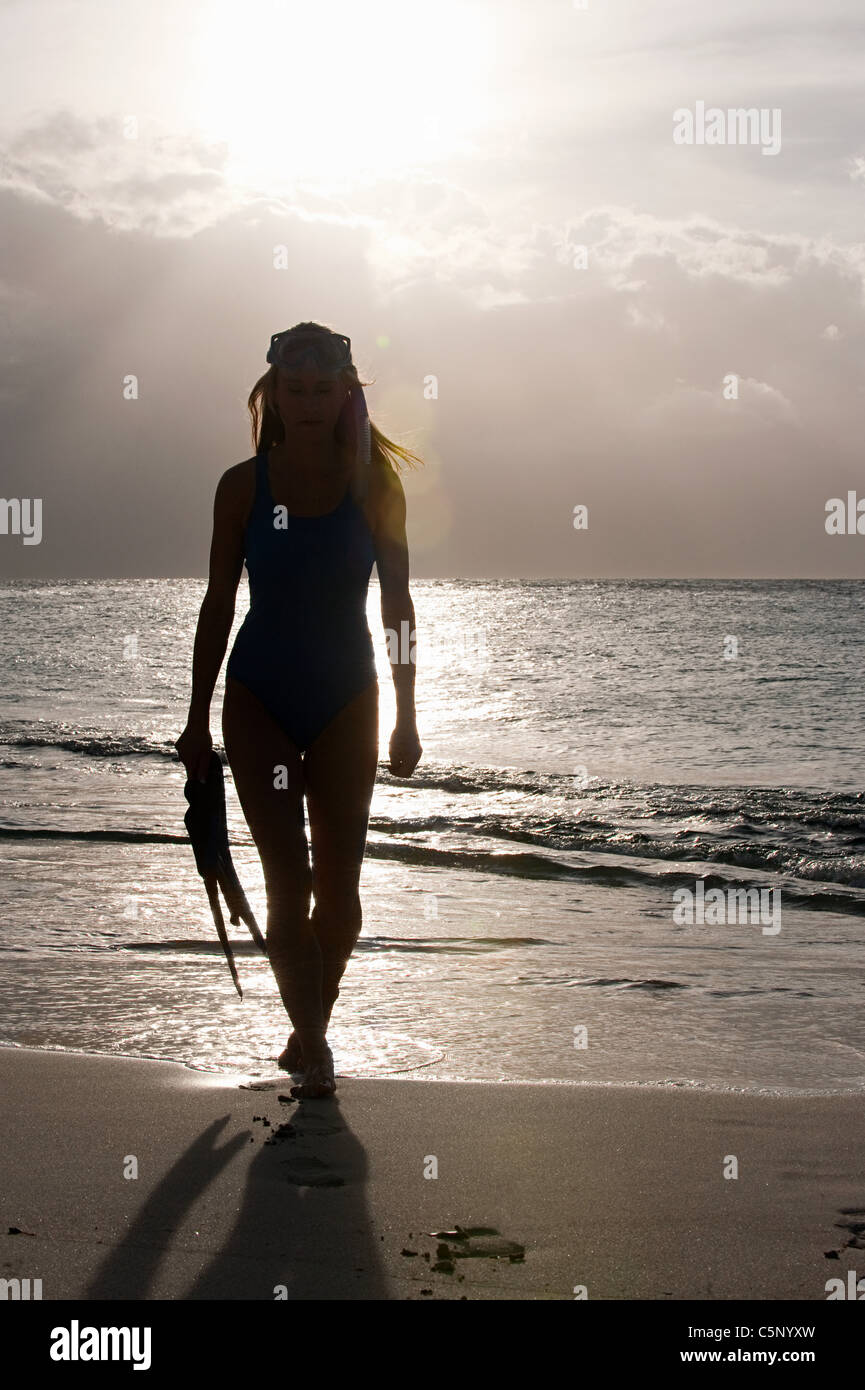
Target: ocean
591,750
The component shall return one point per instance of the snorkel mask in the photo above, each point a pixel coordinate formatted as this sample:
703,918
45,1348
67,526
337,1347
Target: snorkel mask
329,353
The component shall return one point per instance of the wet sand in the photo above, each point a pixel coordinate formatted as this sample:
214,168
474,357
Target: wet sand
401,1189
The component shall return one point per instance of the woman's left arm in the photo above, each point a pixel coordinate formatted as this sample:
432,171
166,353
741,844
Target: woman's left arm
397,613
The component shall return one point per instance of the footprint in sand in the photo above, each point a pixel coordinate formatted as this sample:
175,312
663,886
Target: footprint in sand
310,1172
320,1128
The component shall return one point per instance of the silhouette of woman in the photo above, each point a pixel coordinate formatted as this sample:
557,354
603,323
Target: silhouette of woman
310,513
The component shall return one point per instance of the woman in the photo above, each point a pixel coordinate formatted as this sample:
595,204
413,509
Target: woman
310,513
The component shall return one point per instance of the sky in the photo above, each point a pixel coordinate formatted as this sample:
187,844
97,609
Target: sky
560,295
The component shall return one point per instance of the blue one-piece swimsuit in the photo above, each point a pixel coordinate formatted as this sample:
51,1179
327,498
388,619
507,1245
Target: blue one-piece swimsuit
304,648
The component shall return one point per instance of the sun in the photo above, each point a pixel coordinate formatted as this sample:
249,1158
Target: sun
338,91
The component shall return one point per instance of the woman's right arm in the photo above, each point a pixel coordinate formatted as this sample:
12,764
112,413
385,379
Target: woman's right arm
215,619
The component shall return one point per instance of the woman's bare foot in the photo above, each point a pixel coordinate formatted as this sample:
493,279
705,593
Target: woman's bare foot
291,1058
318,1077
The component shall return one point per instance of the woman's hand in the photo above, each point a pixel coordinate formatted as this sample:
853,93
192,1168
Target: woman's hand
404,750
194,748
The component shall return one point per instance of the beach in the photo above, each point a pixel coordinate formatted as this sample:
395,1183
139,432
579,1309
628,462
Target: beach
536,1051
403,1189
514,359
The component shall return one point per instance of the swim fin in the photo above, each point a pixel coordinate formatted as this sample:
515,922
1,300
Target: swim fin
207,825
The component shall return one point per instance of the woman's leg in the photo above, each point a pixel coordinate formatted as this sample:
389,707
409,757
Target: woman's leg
255,746
339,773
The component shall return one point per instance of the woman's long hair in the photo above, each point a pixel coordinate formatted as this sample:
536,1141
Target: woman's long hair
267,427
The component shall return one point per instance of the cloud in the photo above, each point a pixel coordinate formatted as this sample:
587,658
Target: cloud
139,252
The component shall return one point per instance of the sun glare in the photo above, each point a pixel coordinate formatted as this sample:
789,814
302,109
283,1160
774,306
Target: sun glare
337,91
